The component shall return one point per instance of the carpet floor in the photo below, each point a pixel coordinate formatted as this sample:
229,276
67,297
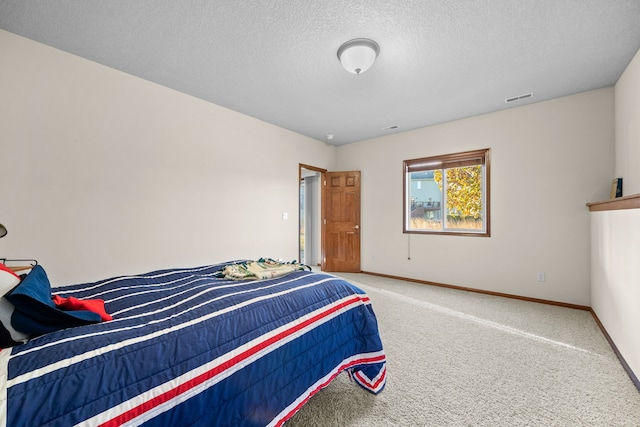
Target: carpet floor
457,358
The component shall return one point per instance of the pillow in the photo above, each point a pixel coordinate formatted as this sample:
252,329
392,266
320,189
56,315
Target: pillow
8,335
36,313
8,279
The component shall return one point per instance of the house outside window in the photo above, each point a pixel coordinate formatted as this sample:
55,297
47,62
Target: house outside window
447,194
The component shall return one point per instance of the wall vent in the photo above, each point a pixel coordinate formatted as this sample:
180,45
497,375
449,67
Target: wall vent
518,98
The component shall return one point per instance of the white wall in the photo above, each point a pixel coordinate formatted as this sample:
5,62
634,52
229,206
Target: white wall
104,173
627,128
548,160
615,235
615,292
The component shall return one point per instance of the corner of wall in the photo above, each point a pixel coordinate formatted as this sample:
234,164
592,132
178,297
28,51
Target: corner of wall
627,127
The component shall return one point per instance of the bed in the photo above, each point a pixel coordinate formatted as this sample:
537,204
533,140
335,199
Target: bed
193,347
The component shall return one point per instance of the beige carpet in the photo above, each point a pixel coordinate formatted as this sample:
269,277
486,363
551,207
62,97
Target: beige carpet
465,359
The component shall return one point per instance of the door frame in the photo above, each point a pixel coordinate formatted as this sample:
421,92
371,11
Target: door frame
320,209
322,171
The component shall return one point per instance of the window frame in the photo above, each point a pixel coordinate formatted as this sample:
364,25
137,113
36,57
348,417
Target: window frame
441,162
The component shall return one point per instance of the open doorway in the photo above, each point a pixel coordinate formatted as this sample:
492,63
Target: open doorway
310,227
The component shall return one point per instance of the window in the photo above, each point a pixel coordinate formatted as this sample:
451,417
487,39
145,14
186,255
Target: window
447,194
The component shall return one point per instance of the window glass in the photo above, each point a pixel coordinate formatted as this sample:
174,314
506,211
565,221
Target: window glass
447,194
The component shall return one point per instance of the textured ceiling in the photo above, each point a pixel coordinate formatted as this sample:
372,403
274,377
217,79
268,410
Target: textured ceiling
276,59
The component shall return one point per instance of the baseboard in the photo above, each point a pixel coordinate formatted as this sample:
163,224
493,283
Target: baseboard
624,363
481,291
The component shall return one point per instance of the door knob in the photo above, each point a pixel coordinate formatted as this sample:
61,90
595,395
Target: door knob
357,227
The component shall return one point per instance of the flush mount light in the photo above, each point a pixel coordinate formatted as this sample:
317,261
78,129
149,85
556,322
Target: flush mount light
357,55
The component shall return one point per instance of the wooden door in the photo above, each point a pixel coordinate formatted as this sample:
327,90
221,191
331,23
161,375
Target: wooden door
341,221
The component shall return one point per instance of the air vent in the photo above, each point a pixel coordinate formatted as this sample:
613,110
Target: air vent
518,98
392,127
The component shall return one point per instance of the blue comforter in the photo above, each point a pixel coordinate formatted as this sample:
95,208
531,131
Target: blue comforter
187,348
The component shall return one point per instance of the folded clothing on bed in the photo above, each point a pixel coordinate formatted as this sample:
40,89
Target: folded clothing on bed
36,313
264,268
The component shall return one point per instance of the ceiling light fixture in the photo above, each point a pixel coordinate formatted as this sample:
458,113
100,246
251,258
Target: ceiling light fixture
357,55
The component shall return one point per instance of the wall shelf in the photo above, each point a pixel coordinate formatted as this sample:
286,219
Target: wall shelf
626,202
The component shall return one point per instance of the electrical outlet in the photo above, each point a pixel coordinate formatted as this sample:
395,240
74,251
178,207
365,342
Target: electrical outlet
540,276
285,215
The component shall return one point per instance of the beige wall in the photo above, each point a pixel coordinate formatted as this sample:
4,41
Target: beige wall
615,235
615,278
104,173
548,160
112,174
627,128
